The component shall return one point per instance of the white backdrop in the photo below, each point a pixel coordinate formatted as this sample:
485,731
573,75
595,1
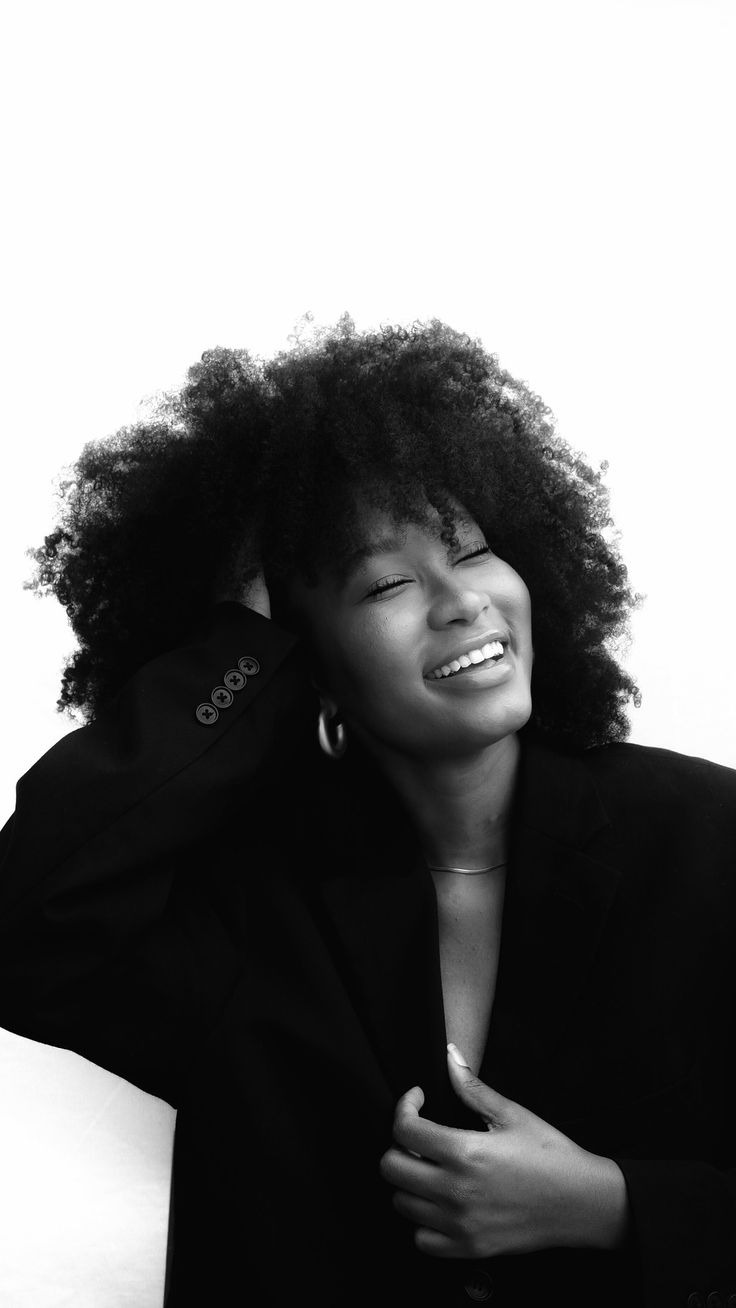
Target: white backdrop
556,179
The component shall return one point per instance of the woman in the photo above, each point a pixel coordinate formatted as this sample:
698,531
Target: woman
351,864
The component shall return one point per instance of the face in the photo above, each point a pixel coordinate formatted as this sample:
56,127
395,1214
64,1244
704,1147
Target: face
424,652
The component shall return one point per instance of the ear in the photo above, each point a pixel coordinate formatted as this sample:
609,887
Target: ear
327,703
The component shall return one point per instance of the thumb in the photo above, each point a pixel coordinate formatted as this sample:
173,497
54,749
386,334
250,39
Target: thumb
484,1101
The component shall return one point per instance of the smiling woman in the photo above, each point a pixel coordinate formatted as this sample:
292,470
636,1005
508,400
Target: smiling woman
351,862
411,607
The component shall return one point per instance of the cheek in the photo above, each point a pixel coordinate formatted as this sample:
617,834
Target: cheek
371,660
525,612
376,660
517,600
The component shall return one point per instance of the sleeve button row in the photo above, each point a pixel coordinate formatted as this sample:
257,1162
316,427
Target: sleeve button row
714,1300
222,696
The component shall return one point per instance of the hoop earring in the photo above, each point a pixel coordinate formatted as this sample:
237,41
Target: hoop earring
335,747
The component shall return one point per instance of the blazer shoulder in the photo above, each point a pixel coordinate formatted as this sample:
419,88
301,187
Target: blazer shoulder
647,777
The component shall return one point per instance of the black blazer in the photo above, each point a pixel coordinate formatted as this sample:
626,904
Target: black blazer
206,906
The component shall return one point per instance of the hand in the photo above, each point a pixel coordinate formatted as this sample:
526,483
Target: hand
244,583
254,594
519,1186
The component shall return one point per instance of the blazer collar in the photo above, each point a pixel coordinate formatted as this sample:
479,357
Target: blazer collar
564,873
380,912
380,919
557,824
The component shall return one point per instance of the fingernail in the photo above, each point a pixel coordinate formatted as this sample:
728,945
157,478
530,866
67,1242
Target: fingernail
457,1057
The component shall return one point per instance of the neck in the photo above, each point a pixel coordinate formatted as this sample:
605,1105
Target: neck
459,806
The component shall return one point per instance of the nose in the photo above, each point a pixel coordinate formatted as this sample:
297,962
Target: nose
457,603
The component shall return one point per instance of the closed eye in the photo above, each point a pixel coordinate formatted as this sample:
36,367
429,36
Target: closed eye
476,553
387,583
392,583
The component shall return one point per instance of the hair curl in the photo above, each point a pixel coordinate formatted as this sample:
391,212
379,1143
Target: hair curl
153,519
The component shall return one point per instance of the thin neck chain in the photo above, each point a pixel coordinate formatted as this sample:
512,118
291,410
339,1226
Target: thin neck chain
465,871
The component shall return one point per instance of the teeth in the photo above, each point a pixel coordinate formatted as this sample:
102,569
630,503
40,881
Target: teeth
491,650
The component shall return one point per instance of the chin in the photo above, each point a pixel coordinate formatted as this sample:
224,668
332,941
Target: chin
496,726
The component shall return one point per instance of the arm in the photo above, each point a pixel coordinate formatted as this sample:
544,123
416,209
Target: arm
109,944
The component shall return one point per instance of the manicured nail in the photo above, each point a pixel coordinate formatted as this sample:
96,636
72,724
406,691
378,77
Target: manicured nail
457,1057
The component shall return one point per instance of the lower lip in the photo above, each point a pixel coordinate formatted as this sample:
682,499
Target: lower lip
476,676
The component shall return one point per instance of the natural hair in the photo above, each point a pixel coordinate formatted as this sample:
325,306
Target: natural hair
255,460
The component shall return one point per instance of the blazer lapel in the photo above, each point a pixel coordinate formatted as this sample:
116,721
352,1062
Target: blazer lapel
380,920
563,877
385,929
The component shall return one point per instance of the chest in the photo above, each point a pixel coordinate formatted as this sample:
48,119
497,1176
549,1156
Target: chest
469,930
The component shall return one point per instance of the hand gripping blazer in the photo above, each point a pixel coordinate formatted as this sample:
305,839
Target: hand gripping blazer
204,905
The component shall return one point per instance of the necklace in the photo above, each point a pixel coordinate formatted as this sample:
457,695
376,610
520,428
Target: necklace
465,871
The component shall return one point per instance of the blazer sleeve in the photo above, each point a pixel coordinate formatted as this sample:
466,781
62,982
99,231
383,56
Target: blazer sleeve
684,1208
109,943
684,1217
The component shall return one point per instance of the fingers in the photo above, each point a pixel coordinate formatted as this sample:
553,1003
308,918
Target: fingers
437,1245
413,1100
421,1136
414,1175
422,1212
435,1233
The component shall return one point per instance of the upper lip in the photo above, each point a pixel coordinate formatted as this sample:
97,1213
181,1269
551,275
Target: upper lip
478,643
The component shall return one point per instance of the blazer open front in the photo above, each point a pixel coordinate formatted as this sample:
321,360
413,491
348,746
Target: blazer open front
212,910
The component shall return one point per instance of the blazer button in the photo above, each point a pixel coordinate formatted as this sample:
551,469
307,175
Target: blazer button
233,679
207,715
249,666
222,697
479,1288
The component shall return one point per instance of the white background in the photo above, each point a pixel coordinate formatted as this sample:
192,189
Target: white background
554,178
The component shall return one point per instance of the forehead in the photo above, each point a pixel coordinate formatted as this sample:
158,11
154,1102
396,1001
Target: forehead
380,532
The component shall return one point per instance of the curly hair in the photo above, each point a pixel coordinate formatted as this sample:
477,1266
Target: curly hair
278,452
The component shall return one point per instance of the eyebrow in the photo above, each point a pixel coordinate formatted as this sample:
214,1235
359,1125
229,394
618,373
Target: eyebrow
381,545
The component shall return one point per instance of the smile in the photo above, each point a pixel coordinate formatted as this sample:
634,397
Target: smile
490,653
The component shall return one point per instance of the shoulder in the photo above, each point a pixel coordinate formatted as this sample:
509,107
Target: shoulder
660,771
640,787
665,820
661,789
